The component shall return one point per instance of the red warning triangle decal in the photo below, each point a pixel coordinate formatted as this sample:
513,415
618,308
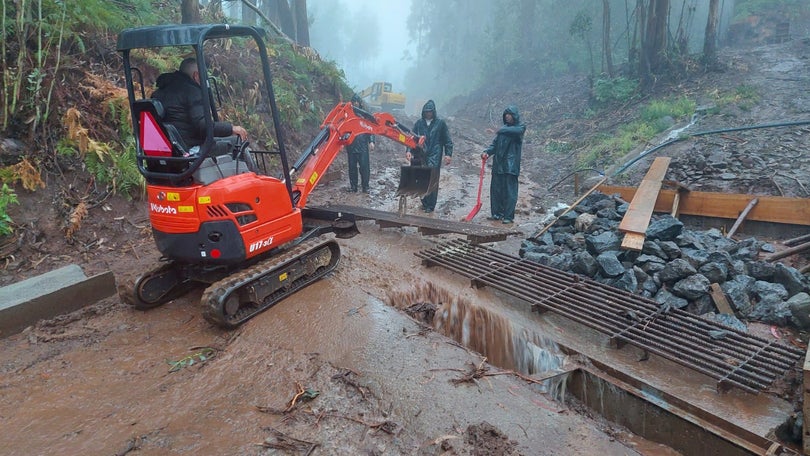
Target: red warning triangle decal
153,141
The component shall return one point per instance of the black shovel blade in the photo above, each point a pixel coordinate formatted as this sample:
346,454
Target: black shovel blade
418,180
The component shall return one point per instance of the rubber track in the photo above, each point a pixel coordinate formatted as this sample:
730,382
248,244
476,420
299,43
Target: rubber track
212,295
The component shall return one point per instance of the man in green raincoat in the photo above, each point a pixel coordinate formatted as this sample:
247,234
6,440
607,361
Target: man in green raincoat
507,148
437,143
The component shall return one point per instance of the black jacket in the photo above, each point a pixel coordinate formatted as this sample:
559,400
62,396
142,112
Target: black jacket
437,137
182,99
507,146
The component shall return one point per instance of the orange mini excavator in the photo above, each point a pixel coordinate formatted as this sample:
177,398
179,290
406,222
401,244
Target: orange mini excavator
224,217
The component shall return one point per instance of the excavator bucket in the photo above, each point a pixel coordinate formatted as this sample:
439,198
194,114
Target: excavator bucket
418,180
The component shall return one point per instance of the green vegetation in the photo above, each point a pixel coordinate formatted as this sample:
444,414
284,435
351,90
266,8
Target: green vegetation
617,90
744,96
652,120
7,196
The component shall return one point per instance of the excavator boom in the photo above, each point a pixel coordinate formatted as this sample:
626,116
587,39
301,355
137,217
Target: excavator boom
340,128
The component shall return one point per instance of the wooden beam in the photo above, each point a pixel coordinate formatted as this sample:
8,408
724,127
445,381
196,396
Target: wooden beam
742,216
775,209
720,301
637,218
788,252
789,242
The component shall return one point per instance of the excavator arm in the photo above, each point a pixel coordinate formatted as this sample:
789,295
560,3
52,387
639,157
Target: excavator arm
343,124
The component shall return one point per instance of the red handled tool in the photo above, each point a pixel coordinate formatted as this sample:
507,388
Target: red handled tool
477,207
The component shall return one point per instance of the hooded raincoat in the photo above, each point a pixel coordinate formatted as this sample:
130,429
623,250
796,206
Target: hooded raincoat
437,144
506,149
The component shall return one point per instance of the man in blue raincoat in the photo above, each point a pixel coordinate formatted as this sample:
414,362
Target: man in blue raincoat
507,148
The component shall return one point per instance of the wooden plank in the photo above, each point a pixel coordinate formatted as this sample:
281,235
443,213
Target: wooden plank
720,301
637,218
788,252
633,241
775,209
742,216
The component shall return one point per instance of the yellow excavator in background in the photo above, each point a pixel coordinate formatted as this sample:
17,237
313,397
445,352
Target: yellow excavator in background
381,97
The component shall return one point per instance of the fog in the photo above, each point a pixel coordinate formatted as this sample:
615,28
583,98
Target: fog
368,39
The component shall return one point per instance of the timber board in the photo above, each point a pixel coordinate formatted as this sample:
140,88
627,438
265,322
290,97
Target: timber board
475,233
774,209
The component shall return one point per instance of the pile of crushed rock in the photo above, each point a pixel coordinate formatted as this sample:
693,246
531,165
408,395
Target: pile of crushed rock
676,266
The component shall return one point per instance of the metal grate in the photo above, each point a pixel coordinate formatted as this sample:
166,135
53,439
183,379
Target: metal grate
732,357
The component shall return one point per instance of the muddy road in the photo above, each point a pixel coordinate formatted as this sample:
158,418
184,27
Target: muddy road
339,367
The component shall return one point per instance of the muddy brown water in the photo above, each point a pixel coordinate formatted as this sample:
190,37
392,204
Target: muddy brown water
101,384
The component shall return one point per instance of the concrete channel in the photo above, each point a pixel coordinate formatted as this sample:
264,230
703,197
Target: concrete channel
678,396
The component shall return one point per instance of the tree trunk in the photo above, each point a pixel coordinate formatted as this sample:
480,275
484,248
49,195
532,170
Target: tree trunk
190,12
301,23
606,46
249,16
654,40
710,40
285,16
270,8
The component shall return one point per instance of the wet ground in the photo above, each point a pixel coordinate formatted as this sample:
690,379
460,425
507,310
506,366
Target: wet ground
337,365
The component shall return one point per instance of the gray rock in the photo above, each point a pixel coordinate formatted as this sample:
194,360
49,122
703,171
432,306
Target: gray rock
761,270
604,242
626,281
690,240
653,248
762,290
737,289
675,270
716,272
728,320
701,305
584,264
692,287
665,228
695,257
671,249
609,265
664,297
800,309
771,310
790,278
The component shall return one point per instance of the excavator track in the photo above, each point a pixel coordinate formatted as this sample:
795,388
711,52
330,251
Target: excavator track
161,285
239,297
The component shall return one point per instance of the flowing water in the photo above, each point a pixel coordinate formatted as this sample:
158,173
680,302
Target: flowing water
504,343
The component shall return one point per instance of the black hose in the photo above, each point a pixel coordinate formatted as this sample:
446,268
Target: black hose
705,133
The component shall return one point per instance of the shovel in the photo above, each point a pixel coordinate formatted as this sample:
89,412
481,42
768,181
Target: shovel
477,207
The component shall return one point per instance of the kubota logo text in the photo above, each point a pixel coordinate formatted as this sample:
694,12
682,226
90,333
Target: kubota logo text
162,209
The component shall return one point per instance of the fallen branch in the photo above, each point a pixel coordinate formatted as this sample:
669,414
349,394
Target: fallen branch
285,442
344,377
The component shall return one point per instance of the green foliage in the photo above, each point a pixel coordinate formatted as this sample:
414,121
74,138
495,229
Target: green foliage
655,112
744,96
607,149
581,25
556,147
201,356
7,196
609,90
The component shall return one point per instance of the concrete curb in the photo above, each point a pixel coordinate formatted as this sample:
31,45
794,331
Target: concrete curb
51,294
